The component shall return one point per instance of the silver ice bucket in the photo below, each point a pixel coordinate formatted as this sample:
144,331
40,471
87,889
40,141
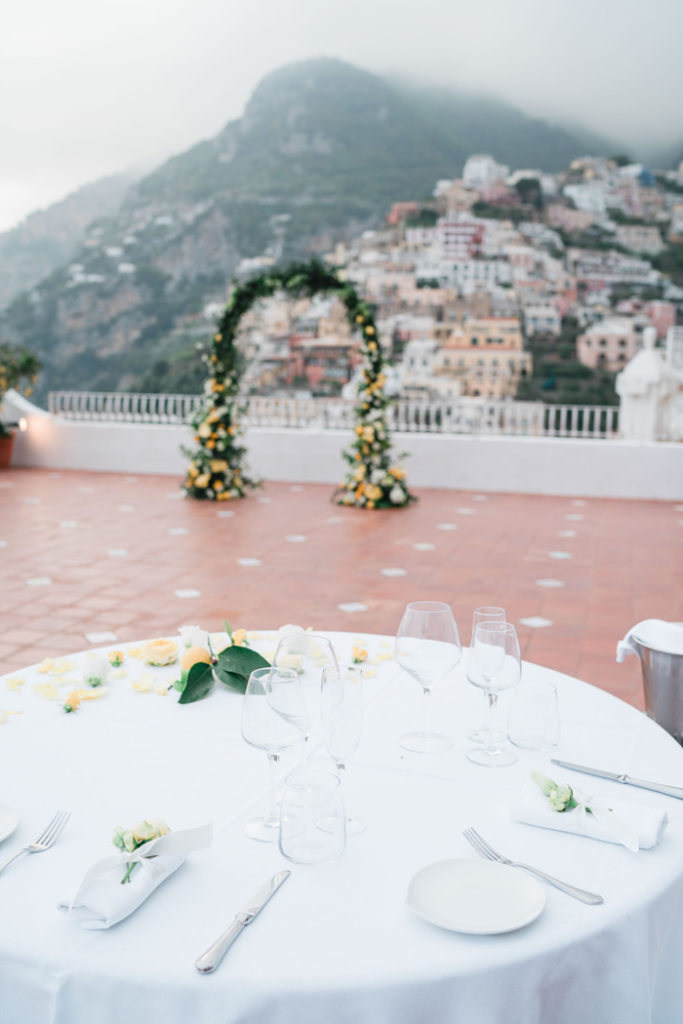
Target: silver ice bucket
659,645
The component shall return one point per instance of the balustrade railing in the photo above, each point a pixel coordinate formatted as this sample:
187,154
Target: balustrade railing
454,416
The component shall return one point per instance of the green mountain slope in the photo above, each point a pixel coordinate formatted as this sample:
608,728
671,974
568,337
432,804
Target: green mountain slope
48,237
322,151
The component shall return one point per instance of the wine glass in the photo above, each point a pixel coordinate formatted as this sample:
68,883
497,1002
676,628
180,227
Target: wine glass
485,613
307,654
274,717
496,666
427,647
342,720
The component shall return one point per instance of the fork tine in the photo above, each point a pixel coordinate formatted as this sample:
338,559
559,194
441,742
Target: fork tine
472,838
480,845
46,830
54,829
486,847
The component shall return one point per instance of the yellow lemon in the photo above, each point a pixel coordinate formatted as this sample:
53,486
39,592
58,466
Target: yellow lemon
192,656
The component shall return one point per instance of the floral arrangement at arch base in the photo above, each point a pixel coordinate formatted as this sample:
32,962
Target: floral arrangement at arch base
217,467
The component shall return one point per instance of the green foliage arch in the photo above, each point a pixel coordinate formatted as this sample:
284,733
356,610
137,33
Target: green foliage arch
217,467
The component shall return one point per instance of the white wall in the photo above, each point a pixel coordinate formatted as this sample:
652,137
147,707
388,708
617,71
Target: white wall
528,465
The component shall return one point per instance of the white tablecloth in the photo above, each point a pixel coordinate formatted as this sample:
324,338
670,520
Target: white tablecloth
338,943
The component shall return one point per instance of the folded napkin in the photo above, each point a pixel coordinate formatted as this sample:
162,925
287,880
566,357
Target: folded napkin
101,899
632,825
655,634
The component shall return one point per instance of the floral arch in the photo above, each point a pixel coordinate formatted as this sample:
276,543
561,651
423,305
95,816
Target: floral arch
217,467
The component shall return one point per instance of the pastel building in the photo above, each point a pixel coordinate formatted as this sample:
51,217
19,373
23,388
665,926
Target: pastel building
481,170
486,356
611,343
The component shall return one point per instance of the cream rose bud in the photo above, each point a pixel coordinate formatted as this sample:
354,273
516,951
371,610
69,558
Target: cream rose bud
144,831
96,670
396,495
194,636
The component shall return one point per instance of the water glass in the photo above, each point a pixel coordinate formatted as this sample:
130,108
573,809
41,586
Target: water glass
534,717
484,613
312,817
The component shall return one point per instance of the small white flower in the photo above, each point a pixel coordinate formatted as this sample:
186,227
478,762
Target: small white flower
96,670
193,636
397,495
296,637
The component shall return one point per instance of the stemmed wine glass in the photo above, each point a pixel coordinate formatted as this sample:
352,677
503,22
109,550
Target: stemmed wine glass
307,654
427,647
485,613
342,720
496,666
274,717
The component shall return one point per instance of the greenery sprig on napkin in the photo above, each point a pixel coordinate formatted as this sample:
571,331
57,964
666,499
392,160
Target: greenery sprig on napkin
560,798
131,839
231,666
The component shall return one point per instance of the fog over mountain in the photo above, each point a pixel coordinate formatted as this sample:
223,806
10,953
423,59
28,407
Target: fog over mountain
92,89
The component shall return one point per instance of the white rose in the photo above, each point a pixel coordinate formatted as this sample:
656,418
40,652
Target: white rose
193,636
397,495
296,640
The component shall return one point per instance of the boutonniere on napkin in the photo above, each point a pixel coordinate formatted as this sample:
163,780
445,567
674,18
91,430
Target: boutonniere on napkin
116,886
545,803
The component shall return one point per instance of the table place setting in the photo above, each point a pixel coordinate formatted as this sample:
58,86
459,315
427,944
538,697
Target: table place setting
454,839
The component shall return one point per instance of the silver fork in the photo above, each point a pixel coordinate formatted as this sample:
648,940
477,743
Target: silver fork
45,840
483,848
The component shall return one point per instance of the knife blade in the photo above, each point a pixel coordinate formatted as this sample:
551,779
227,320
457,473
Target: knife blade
628,780
210,960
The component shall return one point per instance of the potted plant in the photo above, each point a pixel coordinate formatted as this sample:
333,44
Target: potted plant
17,366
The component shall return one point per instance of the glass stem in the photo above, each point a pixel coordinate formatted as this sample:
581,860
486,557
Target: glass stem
425,705
272,818
492,698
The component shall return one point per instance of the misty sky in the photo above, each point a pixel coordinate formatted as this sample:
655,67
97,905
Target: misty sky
89,88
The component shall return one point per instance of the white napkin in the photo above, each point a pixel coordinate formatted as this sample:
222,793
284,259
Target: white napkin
653,633
101,900
632,825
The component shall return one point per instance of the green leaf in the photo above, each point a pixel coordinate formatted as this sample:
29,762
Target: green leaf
241,660
199,683
232,679
235,665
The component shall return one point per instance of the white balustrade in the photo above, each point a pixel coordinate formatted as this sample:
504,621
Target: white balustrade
450,416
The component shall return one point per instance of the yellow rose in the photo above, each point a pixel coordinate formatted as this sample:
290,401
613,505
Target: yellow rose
204,430
202,481
238,637
160,651
116,658
359,654
218,465
218,486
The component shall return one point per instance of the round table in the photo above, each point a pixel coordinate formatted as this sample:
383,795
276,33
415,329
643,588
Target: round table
338,943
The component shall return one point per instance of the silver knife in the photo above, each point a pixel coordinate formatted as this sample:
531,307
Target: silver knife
210,960
628,780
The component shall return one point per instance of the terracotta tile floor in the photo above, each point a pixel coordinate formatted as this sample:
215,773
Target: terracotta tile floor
83,554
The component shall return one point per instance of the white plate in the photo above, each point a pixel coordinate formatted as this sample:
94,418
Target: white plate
9,819
475,896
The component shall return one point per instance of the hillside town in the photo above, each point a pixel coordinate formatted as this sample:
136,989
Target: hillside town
467,284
